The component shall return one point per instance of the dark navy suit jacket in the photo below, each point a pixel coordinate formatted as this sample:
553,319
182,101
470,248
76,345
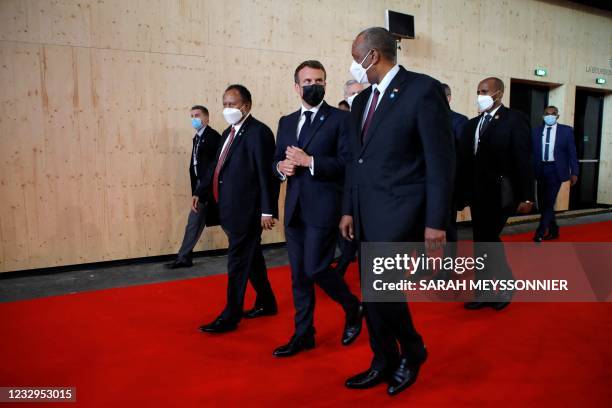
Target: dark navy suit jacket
201,184
503,152
318,196
566,160
247,188
458,121
401,179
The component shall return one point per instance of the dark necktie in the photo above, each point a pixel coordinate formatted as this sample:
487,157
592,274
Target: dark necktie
194,152
220,163
483,127
306,129
370,115
196,145
485,124
547,145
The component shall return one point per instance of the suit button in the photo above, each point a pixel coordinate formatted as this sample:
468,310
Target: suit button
220,181
360,161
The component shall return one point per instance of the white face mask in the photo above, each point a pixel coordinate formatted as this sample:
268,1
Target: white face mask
359,72
484,102
232,115
350,100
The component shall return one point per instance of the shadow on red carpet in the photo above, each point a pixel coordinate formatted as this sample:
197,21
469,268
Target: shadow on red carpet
139,346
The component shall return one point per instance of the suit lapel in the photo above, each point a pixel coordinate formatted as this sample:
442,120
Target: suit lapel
318,120
539,133
237,137
358,110
385,105
499,116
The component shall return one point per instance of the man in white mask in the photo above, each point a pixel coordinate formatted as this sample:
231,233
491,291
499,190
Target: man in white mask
398,189
496,172
352,89
246,194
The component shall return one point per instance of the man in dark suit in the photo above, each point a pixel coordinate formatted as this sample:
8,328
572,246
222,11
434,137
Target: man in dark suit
348,249
311,154
458,121
555,160
205,145
398,188
497,177
247,197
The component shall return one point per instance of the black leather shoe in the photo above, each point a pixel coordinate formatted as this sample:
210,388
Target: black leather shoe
404,376
179,264
475,305
295,345
367,379
549,236
481,305
352,327
537,238
259,311
342,267
218,326
500,305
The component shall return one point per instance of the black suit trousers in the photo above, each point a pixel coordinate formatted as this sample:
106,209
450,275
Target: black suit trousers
488,221
392,332
311,251
245,262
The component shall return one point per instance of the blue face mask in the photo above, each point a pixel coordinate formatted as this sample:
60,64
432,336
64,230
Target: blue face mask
196,123
550,120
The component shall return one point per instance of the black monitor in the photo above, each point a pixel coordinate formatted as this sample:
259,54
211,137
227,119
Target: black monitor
399,24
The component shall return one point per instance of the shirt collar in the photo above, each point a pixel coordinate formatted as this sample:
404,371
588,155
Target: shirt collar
552,126
201,130
493,112
238,125
384,84
314,109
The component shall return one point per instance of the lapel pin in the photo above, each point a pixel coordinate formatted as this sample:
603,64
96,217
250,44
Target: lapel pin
395,90
496,116
321,118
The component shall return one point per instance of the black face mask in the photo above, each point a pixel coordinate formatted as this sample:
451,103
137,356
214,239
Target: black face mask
313,94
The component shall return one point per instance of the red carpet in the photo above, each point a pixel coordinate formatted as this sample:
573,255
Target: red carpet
138,346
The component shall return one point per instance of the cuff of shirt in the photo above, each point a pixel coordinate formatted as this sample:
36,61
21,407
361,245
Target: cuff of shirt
280,173
311,166
266,215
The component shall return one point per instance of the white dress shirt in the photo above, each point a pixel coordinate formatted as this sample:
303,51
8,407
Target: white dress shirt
237,127
477,134
382,87
553,138
301,122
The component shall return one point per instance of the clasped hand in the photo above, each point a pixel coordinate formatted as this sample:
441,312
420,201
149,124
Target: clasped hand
295,157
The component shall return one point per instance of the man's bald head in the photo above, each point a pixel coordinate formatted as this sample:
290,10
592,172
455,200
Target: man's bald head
380,39
494,84
375,49
493,87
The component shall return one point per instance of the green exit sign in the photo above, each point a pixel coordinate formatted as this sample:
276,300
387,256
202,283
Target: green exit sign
600,81
540,72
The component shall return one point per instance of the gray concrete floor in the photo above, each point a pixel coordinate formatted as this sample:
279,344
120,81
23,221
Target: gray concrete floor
37,284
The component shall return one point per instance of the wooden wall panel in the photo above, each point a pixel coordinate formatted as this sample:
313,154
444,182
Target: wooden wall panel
94,129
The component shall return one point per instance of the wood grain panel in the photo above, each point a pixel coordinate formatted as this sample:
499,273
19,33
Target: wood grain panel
95,95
